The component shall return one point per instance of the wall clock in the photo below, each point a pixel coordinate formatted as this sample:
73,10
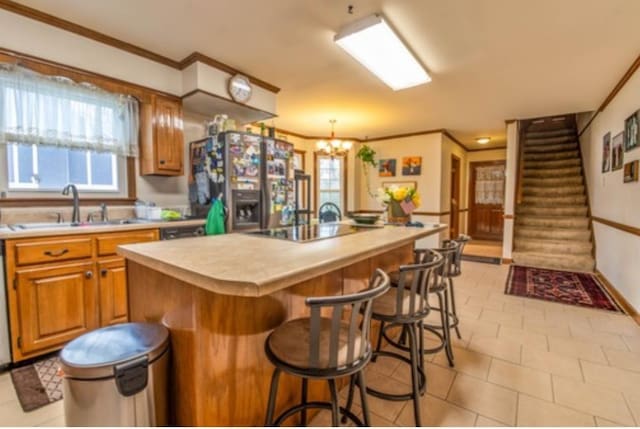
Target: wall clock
240,88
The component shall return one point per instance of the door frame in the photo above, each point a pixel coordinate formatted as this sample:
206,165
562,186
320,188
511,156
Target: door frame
454,215
472,192
316,180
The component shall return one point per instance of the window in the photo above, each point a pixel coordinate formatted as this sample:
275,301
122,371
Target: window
331,181
46,168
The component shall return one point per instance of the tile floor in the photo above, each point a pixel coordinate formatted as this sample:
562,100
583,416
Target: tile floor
520,362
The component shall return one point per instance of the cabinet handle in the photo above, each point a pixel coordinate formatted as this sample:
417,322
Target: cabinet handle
103,272
56,254
88,274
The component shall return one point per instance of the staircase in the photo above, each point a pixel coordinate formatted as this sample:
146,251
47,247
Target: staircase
552,227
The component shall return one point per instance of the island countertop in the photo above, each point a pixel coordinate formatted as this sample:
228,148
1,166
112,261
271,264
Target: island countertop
248,265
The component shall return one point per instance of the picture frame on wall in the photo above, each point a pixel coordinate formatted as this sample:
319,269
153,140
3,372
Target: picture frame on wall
401,183
298,159
411,165
606,152
387,168
617,152
632,131
631,171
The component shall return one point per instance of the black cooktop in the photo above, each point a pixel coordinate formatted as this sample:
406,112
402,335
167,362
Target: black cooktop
303,233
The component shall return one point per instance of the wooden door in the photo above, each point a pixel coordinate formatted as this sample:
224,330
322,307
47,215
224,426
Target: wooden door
112,286
167,115
455,197
486,200
56,303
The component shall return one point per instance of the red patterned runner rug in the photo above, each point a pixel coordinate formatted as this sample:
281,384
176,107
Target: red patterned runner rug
582,289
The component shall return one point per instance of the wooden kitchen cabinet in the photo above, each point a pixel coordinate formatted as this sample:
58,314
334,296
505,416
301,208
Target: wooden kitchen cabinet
56,303
112,289
60,287
162,137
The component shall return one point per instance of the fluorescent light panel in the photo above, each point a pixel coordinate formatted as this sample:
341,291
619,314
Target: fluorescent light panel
376,46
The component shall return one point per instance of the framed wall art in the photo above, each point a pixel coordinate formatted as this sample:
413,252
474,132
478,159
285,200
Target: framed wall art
411,166
631,171
606,152
617,153
632,131
387,167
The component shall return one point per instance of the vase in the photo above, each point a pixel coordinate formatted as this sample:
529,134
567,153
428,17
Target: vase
396,214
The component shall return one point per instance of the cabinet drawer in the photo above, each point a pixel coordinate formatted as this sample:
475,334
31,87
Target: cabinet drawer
37,252
107,244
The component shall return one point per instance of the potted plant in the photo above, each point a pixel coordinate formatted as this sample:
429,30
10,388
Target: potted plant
367,155
400,202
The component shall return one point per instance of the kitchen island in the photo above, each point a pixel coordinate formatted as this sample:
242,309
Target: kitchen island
220,297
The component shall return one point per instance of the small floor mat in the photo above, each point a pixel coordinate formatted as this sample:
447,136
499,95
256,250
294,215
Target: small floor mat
38,384
567,287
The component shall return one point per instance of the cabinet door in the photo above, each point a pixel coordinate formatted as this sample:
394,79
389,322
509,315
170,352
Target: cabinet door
112,284
168,134
56,303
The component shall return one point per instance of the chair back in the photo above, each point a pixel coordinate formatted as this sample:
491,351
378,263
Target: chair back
448,251
357,341
462,240
329,212
414,283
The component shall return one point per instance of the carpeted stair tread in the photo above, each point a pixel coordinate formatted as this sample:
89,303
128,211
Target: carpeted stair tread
555,191
554,201
552,147
556,222
560,234
583,263
551,156
552,164
533,133
553,172
551,182
553,246
551,211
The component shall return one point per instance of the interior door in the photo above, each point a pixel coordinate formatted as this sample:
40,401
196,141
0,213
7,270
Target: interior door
486,200
455,197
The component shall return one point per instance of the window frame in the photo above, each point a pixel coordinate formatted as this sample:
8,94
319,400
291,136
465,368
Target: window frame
317,155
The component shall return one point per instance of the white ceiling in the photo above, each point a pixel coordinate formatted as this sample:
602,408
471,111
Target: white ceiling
490,60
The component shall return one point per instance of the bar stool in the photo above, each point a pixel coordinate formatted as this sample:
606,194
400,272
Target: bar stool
440,288
456,271
325,348
405,305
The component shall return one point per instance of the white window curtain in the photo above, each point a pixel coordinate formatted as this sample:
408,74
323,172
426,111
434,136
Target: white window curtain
56,111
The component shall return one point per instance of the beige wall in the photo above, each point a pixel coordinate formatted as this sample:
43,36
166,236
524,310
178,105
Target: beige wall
450,148
510,188
617,252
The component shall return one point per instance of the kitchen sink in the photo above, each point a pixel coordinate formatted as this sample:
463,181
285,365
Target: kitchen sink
55,225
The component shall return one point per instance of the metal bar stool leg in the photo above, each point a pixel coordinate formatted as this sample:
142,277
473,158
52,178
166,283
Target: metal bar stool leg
303,414
363,399
413,344
273,393
447,329
335,409
453,308
352,385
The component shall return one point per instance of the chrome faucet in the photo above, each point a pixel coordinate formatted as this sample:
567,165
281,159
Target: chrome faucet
75,217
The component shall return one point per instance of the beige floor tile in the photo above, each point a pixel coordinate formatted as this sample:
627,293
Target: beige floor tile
439,379
633,343
551,362
592,399
523,337
7,392
613,378
384,365
576,348
484,398
500,348
623,359
621,326
436,412
469,311
605,339
55,422
526,380
502,318
470,327
11,414
633,400
483,421
600,422
378,421
530,313
467,362
536,412
546,327
386,409
485,302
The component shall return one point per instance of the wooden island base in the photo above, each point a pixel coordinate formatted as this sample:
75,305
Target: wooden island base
220,374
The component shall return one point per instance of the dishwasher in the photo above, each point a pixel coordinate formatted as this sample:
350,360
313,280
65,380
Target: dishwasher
5,349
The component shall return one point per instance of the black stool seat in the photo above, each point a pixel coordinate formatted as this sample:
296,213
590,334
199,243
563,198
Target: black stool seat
291,343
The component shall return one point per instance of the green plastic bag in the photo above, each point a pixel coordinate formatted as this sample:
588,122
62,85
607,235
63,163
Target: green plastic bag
215,218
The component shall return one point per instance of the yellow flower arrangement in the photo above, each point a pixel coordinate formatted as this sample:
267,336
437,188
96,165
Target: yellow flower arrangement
399,196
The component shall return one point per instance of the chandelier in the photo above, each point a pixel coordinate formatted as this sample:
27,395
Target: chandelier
334,147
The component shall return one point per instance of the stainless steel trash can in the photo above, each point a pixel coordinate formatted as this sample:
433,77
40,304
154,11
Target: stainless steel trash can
117,376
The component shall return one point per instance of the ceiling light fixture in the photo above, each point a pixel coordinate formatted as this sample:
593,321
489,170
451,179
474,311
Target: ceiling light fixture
334,147
483,140
373,43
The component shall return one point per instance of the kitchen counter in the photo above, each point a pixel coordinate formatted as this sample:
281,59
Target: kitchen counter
221,296
7,233
249,265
